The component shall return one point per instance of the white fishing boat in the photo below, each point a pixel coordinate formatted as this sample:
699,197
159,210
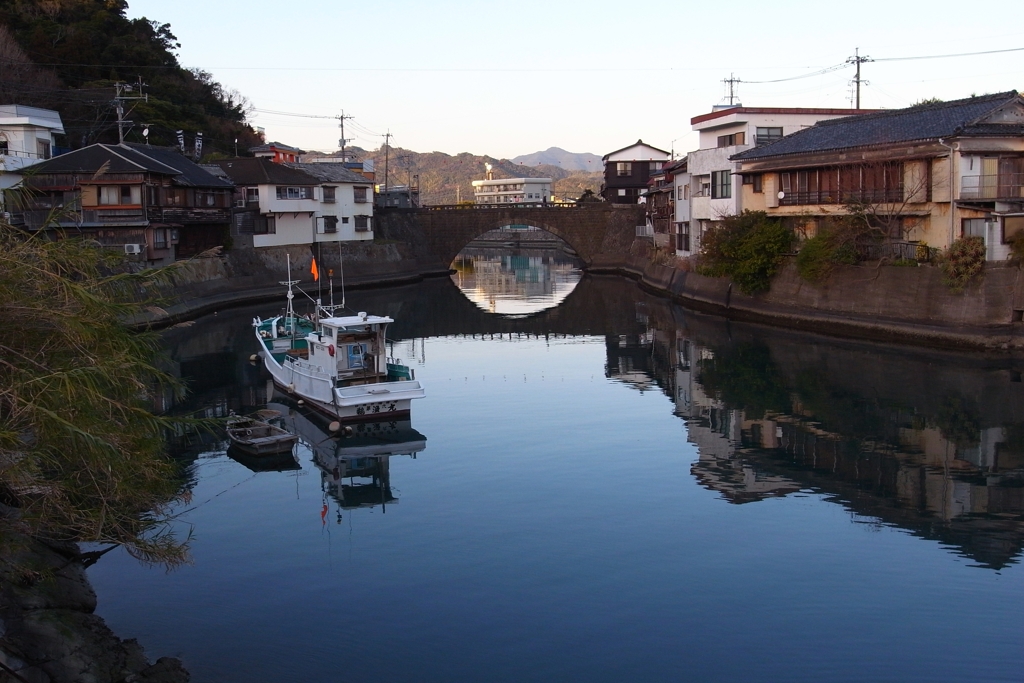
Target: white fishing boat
337,364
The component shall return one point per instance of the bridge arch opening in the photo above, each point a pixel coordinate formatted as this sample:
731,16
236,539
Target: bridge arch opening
517,270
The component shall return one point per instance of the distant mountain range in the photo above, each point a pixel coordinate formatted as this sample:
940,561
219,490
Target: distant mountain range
569,161
446,179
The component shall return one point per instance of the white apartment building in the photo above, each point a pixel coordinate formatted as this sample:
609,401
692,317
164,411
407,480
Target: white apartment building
714,185
511,190
26,137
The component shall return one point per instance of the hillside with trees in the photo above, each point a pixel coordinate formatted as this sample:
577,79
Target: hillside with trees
68,54
444,178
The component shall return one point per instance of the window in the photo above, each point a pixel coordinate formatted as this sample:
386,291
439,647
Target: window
359,195
730,140
329,192
758,183
974,227
754,180
294,192
766,135
344,220
330,224
3,147
206,199
622,192
175,196
362,223
623,169
1012,225
655,166
252,194
160,238
721,184
684,236
43,148
265,225
117,195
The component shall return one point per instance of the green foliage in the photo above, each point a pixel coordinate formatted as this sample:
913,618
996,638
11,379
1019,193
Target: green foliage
962,262
88,45
745,377
748,249
832,245
1017,247
958,422
905,262
81,455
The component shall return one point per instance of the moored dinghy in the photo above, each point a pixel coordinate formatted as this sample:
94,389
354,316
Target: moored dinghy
259,438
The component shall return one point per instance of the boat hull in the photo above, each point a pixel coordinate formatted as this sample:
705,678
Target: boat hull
353,403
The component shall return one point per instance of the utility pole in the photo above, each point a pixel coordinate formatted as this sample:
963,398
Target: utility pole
732,81
342,141
387,151
120,98
857,60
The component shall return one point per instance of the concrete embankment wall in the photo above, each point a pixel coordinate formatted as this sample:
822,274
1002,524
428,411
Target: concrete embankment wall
885,303
243,276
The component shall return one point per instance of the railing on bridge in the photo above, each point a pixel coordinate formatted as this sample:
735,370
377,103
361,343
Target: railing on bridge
484,207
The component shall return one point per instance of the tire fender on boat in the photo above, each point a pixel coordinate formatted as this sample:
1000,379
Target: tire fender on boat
330,349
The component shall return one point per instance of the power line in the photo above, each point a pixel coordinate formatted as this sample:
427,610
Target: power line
959,54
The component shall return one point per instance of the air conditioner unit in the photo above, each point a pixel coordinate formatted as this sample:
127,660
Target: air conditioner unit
133,248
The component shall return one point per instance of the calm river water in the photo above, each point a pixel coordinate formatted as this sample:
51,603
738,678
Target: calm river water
600,486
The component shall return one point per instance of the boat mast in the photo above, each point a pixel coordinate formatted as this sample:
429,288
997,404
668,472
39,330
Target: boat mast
290,310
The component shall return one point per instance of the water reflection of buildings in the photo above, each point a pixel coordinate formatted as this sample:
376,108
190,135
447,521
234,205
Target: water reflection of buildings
515,281
767,424
354,467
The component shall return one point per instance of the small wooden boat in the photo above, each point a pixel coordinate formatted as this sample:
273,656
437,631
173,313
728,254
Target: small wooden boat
256,437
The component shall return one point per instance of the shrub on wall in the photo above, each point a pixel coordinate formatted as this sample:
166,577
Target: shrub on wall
1017,247
747,248
962,262
820,253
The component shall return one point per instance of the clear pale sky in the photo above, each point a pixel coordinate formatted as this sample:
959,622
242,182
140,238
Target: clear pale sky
506,79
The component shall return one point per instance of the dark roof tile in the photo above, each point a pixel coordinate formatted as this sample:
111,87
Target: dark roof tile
923,122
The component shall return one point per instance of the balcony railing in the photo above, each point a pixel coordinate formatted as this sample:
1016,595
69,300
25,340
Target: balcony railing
1001,186
889,195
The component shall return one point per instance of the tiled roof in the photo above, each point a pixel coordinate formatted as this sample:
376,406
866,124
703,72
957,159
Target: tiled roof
330,173
263,171
638,143
111,158
131,159
190,174
924,122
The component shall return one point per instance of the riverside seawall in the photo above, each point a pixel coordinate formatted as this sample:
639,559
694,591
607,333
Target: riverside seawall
898,304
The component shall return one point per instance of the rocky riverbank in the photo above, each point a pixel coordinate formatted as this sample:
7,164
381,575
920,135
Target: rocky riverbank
48,630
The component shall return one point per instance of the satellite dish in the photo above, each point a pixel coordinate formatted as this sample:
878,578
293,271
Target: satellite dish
782,195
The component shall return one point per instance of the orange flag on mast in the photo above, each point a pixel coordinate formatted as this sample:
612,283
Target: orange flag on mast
313,269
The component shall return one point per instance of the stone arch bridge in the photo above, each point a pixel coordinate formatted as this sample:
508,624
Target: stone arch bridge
599,233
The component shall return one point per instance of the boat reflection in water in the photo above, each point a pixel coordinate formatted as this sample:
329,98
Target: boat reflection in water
354,461
273,462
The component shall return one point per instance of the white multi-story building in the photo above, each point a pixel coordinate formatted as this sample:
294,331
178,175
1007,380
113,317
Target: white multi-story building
26,137
511,190
291,203
727,130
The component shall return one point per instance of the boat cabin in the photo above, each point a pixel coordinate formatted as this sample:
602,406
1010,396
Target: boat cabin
351,348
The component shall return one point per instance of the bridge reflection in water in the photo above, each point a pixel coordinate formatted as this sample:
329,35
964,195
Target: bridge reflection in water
515,281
